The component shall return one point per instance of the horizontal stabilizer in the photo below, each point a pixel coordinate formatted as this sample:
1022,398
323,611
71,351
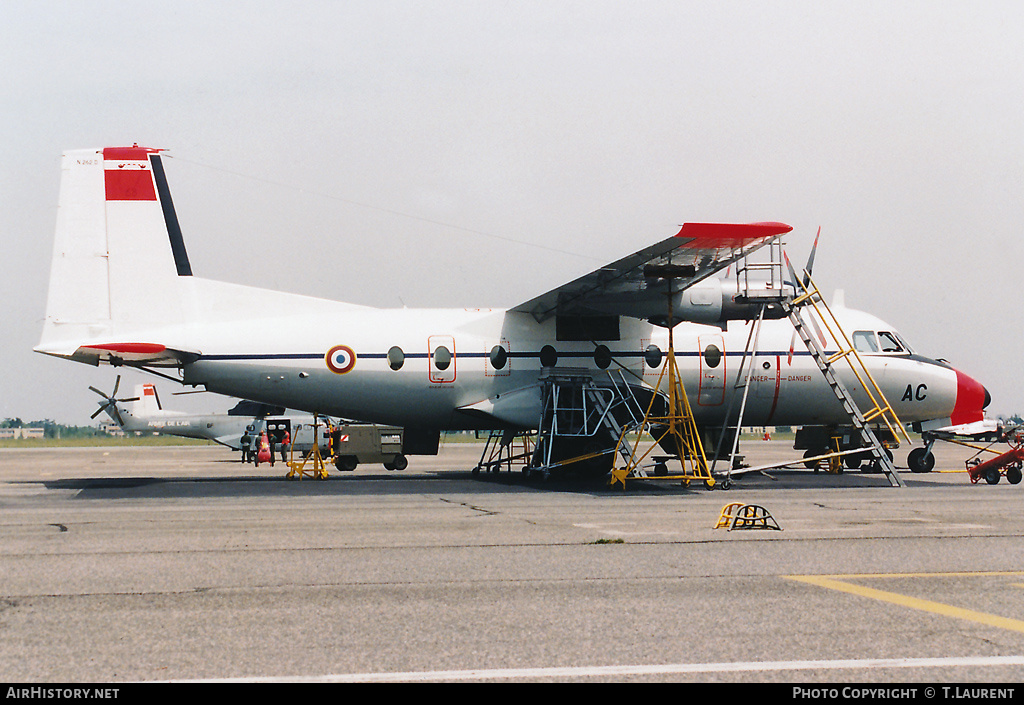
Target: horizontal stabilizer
152,354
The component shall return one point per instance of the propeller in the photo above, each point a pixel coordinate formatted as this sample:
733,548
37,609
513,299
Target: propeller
810,260
109,403
806,279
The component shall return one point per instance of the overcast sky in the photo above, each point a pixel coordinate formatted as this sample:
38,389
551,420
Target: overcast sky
478,153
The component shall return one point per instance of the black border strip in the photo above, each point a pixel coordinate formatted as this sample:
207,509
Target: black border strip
170,218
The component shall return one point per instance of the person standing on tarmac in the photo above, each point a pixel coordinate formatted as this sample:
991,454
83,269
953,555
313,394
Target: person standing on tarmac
246,446
286,442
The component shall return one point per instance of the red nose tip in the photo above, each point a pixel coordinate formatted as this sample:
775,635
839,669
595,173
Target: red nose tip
971,400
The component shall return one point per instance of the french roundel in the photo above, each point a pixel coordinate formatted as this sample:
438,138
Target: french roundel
340,359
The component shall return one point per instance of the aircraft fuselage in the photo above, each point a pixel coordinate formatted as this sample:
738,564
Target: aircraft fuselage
480,368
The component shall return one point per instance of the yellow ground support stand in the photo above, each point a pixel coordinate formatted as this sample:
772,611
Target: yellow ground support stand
835,461
317,468
738,515
678,425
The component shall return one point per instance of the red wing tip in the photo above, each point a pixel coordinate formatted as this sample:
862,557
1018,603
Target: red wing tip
782,228
731,235
734,229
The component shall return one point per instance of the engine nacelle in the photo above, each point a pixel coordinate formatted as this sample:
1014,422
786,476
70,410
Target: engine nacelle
713,302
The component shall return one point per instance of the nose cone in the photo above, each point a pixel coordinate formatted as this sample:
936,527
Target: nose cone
971,400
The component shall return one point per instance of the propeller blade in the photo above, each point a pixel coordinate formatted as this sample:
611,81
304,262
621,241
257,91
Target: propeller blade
98,411
792,272
98,392
157,395
810,259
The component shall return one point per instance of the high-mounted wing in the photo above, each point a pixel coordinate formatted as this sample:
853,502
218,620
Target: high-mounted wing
637,285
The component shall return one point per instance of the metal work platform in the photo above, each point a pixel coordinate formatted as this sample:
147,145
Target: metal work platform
582,418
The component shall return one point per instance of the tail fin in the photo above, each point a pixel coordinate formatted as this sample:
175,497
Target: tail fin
118,257
148,403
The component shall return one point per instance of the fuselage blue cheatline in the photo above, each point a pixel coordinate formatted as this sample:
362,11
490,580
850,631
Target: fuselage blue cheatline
122,292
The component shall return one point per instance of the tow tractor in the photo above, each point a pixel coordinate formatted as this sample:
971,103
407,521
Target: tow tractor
1008,463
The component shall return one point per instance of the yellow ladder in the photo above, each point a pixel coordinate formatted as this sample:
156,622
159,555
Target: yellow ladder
880,410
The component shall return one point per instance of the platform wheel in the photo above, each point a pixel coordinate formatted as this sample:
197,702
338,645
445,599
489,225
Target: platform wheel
1013,474
346,463
992,476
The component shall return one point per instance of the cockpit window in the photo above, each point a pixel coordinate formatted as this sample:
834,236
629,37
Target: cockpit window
890,343
864,341
903,342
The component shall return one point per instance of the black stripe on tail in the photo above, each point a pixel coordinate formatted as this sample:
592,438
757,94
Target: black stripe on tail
170,218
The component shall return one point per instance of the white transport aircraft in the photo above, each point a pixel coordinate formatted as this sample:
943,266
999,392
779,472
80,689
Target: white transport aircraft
122,292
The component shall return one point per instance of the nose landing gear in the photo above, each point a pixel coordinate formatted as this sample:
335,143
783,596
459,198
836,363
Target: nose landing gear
921,459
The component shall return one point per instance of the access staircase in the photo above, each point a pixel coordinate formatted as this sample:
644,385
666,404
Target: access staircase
584,414
809,301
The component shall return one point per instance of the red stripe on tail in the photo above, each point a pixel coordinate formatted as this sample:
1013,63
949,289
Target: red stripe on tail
127,174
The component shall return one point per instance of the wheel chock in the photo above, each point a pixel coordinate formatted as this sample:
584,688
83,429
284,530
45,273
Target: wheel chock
737,515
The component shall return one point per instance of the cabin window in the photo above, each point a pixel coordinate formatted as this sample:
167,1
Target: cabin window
864,341
396,358
712,356
442,357
548,356
890,343
652,356
499,357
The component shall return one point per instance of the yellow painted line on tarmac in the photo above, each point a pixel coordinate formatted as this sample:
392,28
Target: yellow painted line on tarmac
840,583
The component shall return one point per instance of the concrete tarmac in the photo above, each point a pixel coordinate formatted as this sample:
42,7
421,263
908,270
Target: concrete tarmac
180,563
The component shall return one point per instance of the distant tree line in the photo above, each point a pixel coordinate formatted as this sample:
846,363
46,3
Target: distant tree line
52,429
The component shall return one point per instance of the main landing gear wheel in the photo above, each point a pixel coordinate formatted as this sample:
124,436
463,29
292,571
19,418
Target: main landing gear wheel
813,464
920,460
